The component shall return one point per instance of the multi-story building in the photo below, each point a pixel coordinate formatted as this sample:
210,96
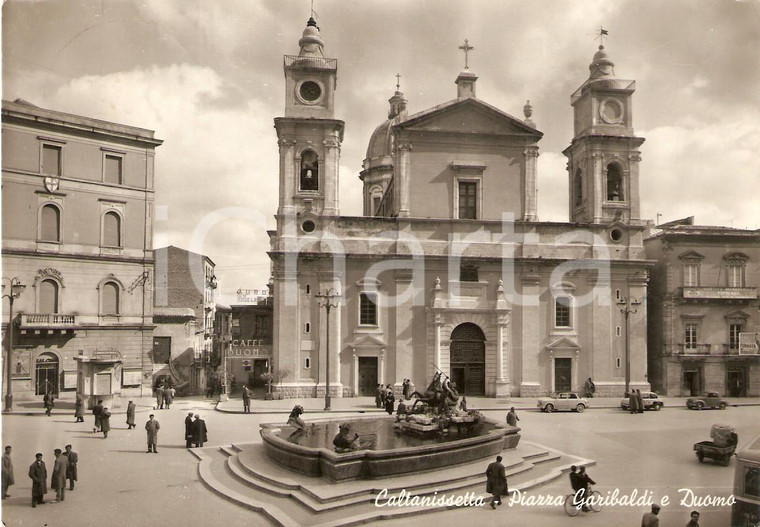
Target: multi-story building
186,279
250,353
704,322
450,268
77,232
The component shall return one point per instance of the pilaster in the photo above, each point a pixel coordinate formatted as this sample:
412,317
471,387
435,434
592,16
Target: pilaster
531,198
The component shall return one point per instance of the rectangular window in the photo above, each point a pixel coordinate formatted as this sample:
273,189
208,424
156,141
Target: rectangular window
691,275
733,335
112,170
468,200
618,331
51,160
468,273
162,350
690,336
367,309
617,362
735,276
260,326
376,204
562,313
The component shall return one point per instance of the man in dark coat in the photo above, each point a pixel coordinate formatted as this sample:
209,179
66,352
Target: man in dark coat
578,485
389,402
152,427
71,470
38,473
47,400
189,430
8,479
407,391
585,481
105,422
633,402
58,481
639,402
496,482
200,435
131,407
96,411
246,400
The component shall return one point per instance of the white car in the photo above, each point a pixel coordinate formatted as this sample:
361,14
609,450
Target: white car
563,401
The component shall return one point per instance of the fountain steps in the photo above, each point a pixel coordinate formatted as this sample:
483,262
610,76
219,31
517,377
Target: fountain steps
244,475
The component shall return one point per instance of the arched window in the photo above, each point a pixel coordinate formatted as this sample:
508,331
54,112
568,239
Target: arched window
309,171
614,183
112,229
50,223
578,187
110,298
48,301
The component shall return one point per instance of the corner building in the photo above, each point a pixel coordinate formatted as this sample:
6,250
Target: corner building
450,267
78,233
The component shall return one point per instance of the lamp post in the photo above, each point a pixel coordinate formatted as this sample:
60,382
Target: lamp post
328,301
16,288
627,310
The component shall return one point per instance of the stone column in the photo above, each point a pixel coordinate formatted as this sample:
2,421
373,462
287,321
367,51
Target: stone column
531,199
530,385
402,184
331,179
355,380
287,175
381,377
598,176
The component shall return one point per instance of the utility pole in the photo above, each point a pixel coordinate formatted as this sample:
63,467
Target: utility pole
328,300
627,311
16,288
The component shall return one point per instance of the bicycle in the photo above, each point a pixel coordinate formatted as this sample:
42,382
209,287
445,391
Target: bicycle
593,498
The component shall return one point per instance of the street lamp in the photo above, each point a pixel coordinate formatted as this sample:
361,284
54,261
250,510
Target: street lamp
627,310
326,301
16,288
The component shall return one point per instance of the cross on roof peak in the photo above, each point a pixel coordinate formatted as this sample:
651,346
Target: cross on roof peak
466,48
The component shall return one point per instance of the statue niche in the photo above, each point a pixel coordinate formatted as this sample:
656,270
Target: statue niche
309,179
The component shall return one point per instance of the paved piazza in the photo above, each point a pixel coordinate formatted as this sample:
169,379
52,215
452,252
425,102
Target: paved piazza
121,485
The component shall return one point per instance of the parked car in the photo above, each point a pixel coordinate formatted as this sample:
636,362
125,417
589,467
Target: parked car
651,401
711,400
563,401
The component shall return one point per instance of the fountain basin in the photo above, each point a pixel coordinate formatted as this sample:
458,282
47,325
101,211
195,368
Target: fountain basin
315,458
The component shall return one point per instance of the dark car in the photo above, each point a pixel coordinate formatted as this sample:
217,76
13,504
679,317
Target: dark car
711,400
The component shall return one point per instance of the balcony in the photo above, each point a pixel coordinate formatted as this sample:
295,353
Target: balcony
47,320
719,293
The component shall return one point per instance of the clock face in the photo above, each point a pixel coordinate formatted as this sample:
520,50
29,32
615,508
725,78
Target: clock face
310,91
611,111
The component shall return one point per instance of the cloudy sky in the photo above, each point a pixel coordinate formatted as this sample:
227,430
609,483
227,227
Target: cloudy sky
207,76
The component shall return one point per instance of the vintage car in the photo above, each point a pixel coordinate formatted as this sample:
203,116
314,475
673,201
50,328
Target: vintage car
563,401
651,401
711,400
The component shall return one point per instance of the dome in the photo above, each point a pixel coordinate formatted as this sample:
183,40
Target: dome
601,66
381,141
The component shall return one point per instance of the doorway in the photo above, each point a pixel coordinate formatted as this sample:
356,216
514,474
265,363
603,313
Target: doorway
260,367
563,370
691,382
735,383
468,359
367,376
46,374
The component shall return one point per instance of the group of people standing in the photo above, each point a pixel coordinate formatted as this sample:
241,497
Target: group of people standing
635,402
164,396
196,432
385,398
64,469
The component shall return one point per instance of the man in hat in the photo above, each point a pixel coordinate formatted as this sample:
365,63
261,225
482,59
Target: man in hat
189,430
131,407
38,473
199,431
71,470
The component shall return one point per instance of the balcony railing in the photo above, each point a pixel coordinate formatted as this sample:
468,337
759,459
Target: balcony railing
47,320
720,293
694,349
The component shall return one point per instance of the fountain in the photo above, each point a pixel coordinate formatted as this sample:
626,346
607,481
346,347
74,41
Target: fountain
433,436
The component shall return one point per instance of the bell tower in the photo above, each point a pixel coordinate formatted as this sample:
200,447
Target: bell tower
308,136
603,157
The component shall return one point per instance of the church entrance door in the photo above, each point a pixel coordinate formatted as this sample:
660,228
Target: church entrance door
563,369
367,376
468,359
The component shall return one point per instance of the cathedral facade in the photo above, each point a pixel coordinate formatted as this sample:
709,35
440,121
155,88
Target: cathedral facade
449,268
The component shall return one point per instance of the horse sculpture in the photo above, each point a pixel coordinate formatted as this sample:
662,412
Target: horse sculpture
439,394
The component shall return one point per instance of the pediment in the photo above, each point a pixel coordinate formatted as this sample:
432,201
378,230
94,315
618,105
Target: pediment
470,116
691,255
366,340
563,343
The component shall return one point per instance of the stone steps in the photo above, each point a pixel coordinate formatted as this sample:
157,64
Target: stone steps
244,475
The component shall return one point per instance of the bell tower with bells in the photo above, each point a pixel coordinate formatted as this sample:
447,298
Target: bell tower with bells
308,136
603,157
